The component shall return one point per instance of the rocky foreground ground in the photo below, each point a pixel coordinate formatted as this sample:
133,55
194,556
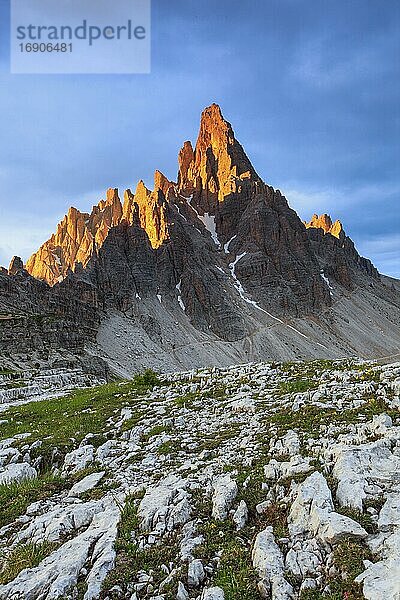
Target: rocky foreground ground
258,481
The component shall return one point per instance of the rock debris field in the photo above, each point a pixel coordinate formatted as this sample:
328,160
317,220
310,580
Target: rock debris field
271,480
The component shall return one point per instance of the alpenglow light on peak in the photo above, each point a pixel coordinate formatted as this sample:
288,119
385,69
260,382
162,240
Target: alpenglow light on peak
218,163
324,222
80,235
215,170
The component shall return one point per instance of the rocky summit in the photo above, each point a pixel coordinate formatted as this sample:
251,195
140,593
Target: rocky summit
214,268
269,480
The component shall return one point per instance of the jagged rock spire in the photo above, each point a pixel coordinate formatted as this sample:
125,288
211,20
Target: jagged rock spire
16,265
324,222
80,235
217,164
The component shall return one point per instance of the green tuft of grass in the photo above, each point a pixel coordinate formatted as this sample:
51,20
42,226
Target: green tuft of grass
235,574
156,430
23,556
16,497
348,558
169,447
297,386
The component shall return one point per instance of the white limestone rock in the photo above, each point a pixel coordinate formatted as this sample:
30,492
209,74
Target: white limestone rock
304,560
389,515
381,580
56,523
213,593
86,484
243,404
165,506
182,593
241,515
9,455
17,472
196,573
225,490
296,465
313,512
353,465
189,541
268,562
57,574
78,459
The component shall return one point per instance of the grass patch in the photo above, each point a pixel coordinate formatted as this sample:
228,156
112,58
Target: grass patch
16,497
310,418
189,399
215,440
157,430
64,422
24,556
169,447
348,558
235,574
376,502
297,386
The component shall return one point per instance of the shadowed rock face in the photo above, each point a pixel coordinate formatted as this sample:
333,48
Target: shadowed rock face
16,265
220,240
337,254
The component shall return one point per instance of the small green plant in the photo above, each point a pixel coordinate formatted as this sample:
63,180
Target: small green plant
147,380
156,430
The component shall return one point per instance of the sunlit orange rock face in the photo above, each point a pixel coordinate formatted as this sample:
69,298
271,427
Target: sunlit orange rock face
150,207
325,222
217,165
80,235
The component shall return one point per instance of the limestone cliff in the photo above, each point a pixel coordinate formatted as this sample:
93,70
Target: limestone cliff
218,165
79,236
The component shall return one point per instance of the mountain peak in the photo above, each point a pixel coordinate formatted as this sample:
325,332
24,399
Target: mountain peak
212,117
324,222
16,265
217,165
161,182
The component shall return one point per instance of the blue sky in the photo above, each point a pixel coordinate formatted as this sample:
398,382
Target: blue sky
311,88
